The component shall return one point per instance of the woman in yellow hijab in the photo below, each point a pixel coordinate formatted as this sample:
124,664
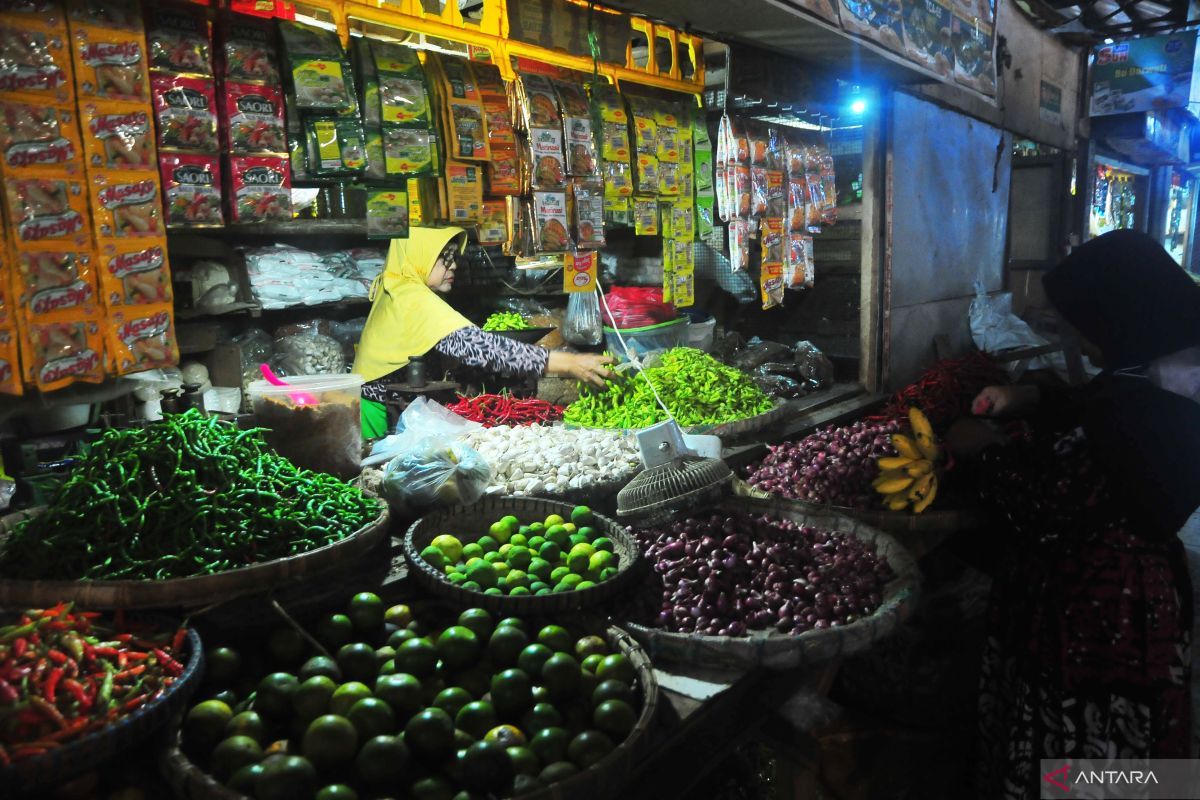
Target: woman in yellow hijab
408,319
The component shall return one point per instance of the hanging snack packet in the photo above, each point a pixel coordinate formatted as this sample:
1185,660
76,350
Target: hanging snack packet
125,205
62,350
541,102
797,215
589,214
739,142
550,221
407,152
48,210
618,211
117,135
493,224
667,144
777,200
683,219
816,189
36,61
387,214
470,138
798,262
647,174
618,179
186,112
645,216
37,138
141,338
248,50
549,170
829,212
192,189
669,182
180,41
134,272
739,245
460,79
464,191
49,279
253,116
110,64
336,145
10,374
504,173
318,72
402,99
705,215
123,15
260,189
759,192
771,270
614,144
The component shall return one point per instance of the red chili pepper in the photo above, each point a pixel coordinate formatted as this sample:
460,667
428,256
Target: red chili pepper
134,655
177,642
135,702
8,693
110,652
19,647
57,656
169,664
5,758
130,673
76,690
49,711
50,687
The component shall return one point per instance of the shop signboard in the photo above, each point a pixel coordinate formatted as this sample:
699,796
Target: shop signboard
1145,74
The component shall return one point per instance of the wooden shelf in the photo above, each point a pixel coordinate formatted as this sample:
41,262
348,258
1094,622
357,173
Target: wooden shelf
295,227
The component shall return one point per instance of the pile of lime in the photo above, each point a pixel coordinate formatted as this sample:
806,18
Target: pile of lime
539,558
466,707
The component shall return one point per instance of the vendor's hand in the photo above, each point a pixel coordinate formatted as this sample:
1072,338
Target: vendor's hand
1005,401
968,437
585,367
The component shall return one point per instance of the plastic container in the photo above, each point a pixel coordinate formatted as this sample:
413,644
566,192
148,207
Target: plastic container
701,333
649,339
325,436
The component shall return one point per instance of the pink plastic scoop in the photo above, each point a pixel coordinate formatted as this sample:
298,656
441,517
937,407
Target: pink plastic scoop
298,398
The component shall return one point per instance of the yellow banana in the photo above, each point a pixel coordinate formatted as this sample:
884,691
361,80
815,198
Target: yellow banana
923,434
896,502
905,446
919,487
891,485
924,502
919,468
893,462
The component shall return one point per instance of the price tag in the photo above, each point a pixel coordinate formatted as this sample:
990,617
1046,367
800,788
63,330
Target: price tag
579,271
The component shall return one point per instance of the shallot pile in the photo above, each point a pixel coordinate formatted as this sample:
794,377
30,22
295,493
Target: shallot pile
834,465
726,575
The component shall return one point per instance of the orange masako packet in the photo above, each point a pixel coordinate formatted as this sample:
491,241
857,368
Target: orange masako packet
36,63
61,349
48,209
134,272
126,204
141,338
10,362
117,135
49,279
110,64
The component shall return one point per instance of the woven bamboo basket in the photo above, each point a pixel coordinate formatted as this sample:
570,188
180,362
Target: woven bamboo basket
192,592
477,518
726,430
37,775
604,780
775,650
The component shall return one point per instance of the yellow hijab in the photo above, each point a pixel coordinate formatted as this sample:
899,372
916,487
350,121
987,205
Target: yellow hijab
407,317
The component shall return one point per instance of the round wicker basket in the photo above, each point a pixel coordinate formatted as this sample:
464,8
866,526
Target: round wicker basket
479,517
192,592
783,651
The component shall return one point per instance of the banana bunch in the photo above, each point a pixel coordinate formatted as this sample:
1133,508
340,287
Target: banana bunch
910,479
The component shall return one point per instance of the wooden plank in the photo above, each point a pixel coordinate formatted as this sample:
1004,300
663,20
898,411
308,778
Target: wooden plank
871,274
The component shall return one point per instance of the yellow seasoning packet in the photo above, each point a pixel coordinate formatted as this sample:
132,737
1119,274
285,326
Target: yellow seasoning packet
141,338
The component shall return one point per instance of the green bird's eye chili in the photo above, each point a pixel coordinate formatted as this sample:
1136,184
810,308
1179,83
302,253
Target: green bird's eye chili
189,495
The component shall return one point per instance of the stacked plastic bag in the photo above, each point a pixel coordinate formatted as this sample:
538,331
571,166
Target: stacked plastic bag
282,276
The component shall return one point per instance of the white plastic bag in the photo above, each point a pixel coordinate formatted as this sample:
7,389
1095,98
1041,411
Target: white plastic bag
439,471
995,328
422,419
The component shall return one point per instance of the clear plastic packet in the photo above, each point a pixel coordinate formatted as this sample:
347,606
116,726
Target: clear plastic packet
36,63
61,350
759,192
589,214
45,209
814,366
552,232
310,353
37,138
798,262
582,326
10,374
438,471
50,280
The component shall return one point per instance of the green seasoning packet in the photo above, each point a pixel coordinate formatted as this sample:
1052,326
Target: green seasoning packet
705,207
387,214
320,77
336,146
403,98
408,151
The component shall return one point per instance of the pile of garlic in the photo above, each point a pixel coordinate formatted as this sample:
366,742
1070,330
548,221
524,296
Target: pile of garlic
534,459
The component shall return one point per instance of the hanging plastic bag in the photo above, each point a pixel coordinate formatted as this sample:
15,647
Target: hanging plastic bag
582,327
815,367
438,472
422,419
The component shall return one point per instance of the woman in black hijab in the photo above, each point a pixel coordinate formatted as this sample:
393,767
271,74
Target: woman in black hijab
1091,614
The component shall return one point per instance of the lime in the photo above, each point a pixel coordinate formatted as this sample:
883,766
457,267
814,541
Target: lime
385,654
495,591
506,736
334,631
558,771
533,657
247,723
579,587
516,578
591,533
576,539
601,560
500,533
476,718
330,741
226,696
450,546
470,551
336,791
382,761
559,573
286,778
612,690
554,519
506,645
458,647
430,735
615,717
482,573
588,748
346,695
560,676
206,724
501,568
540,717
358,662
432,788
608,573
490,544
486,767
571,581
452,700
523,760
493,557
403,693
475,680
456,577
519,540
417,657
541,694
372,717
519,558
535,543
590,663
221,666
234,753
472,586
564,587
550,744
286,647
434,557
462,739
505,549
273,697
556,638
537,527
244,779
513,622
615,667
517,591
537,585
544,590
526,784
512,693
580,558
479,621
581,515
319,665
313,697
388,667
559,535
540,568
550,551
366,611
591,645
603,544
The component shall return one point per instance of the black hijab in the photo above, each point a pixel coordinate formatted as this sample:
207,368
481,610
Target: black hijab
1127,296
